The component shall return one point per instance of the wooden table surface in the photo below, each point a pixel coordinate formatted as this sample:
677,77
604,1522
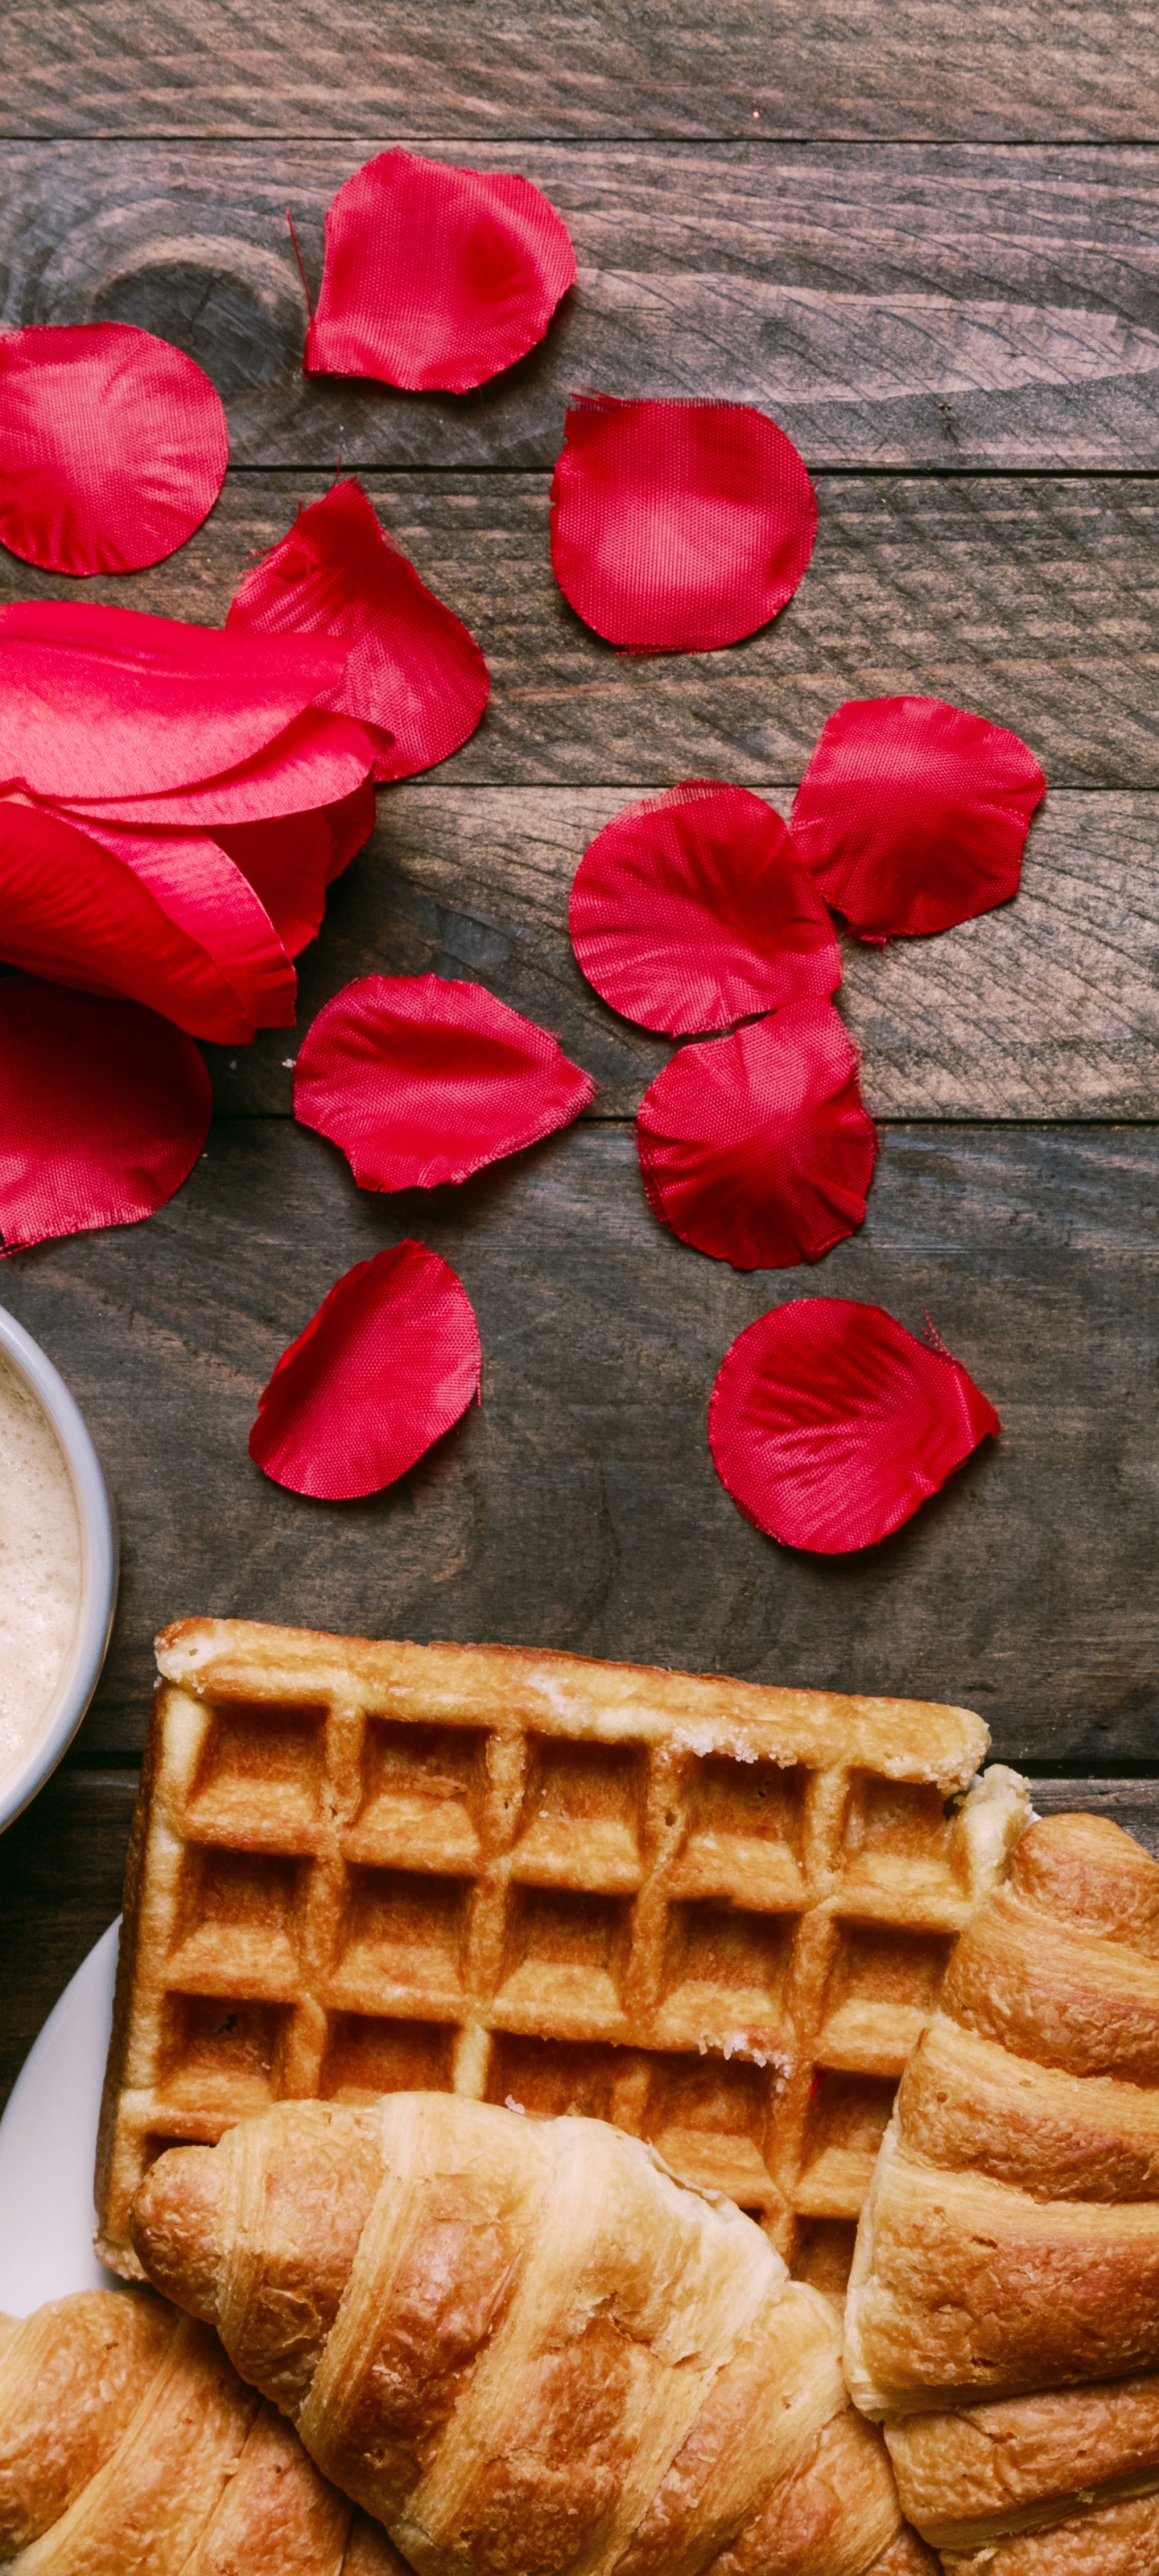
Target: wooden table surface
926,238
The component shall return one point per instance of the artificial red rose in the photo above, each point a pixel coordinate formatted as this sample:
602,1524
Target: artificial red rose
413,676
421,1080
756,1147
691,910
113,447
388,1363
913,814
104,1109
677,527
830,1424
436,277
141,763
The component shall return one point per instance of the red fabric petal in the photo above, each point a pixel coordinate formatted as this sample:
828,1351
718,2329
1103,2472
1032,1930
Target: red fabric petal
113,447
291,859
422,1081
388,1363
170,927
691,910
678,526
829,1423
414,676
108,703
103,1112
756,1148
436,277
206,895
319,760
912,815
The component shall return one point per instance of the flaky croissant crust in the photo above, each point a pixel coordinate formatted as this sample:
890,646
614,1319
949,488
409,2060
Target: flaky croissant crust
523,2347
1004,2305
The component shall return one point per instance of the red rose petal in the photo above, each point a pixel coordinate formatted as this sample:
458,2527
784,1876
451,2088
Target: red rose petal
103,1112
756,1148
290,860
422,1081
829,1423
175,927
113,447
678,526
319,760
388,1363
436,277
99,703
912,815
414,676
691,910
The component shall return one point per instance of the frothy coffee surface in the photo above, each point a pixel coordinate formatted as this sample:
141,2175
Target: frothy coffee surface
40,1566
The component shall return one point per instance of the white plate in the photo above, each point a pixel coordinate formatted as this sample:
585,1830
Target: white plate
48,2141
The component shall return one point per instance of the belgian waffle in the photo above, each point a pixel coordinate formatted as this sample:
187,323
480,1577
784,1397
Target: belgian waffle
712,1913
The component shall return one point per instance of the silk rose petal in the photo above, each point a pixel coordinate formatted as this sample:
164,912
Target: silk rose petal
830,1424
436,277
292,858
756,1148
912,815
103,1112
677,527
422,1081
319,760
692,910
176,929
413,676
113,447
388,1363
107,703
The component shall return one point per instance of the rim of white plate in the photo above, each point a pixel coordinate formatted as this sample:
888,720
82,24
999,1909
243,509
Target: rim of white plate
99,1570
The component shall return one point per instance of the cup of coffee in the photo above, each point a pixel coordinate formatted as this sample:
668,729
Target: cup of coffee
58,1568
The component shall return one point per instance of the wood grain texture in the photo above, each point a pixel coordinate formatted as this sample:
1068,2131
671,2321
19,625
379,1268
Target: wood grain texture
900,305
578,1506
1048,69
1047,1008
61,1866
1035,602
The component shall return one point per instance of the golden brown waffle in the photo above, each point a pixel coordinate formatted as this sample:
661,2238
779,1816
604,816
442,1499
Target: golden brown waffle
713,1913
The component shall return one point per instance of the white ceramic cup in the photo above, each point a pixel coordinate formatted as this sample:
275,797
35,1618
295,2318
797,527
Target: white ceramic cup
98,1583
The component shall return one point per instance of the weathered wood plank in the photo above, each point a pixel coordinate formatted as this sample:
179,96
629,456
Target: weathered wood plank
61,1866
1042,69
891,306
1048,1008
579,1506
1034,601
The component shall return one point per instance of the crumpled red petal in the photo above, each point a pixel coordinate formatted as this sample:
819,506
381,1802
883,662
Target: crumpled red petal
421,1081
388,1363
415,677
756,1148
830,1424
171,924
436,277
677,527
113,447
691,910
912,815
104,1110
107,703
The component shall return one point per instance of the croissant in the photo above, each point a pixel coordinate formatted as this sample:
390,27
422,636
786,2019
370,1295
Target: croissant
128,2444
525,2348
1004,2301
